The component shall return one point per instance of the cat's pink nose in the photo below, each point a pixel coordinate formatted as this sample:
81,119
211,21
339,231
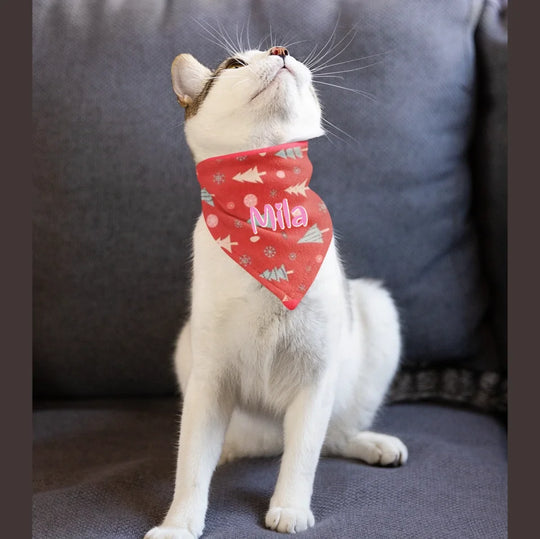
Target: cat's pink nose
279,51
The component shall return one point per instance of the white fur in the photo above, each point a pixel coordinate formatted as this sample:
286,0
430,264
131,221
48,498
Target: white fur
253,118
259,380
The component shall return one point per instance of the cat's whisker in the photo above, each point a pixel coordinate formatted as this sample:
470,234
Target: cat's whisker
218,35
226,36
213,35
347,39
324,47
242,40
359,68
272,39
248,41
329,134
334,126
281,39
268,40
328,76
288,45
284,41
311,53
261,42
332,47
217,43
354,90
361,59
312,57
237,36
333,137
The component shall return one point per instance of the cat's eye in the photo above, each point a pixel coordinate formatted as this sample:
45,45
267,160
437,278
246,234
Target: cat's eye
235,63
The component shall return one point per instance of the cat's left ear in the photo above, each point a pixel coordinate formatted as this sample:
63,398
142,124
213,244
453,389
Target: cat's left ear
188,78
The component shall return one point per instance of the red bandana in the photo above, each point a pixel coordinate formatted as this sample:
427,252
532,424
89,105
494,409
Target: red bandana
261,212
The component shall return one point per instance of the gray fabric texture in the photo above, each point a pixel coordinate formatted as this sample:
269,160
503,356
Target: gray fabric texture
482,390
490,160
115,194
106,469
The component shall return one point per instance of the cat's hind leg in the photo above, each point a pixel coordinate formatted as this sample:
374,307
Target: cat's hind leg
348,433
372,448
251,436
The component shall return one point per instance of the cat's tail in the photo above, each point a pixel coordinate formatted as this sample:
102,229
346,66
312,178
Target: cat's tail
380,321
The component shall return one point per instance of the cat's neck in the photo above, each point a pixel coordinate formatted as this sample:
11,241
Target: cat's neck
201,152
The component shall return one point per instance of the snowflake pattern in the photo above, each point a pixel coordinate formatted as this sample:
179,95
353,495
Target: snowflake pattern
270,251
245,260
271,257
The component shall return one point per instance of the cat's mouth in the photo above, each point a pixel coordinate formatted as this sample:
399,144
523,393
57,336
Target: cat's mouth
283,71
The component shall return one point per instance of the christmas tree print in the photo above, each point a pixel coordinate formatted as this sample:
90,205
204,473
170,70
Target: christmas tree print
267,223
313,235
207,197
251,175
226,243
276,274
290,153
298,189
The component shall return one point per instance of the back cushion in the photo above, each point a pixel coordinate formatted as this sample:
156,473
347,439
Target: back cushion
116,195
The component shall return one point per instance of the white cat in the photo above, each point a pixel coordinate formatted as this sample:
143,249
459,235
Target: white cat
258,379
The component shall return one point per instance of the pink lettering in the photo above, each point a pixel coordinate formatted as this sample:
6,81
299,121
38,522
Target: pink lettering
280,215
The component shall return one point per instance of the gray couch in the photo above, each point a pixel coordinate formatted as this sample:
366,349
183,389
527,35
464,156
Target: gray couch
417,191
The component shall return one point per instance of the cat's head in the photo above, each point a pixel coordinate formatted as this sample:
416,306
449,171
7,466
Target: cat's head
252,100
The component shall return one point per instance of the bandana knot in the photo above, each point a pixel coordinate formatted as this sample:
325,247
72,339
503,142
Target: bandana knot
260,210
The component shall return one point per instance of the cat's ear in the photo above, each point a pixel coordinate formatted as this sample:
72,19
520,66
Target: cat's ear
188,78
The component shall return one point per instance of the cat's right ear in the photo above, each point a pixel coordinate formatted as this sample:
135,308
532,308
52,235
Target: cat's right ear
188,78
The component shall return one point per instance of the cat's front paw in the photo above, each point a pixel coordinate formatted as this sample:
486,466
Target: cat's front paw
169,532
289,519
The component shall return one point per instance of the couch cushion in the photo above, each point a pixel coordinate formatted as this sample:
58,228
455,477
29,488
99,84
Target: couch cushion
106,469
116,194
490,159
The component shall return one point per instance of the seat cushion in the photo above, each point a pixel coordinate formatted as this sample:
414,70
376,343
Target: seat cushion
106,469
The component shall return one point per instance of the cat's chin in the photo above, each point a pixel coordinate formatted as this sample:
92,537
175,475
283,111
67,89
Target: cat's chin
308,135
278,83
